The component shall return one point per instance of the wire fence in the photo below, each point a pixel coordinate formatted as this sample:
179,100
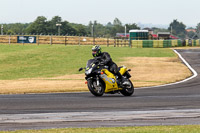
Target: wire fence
84,40
64,40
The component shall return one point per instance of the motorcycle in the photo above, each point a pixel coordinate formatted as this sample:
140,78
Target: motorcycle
100,80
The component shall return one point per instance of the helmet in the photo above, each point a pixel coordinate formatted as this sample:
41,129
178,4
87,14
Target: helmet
96,50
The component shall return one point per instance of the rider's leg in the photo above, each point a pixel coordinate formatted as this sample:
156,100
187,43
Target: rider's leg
115,70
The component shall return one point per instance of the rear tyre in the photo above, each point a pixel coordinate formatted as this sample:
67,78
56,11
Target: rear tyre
129,90
94,89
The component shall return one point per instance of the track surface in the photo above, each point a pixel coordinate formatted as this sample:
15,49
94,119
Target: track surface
181,100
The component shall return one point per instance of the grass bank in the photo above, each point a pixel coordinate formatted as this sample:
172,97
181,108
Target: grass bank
31,61
146,129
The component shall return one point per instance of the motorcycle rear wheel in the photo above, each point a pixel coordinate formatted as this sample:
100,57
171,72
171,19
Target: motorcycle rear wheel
128,91
94,89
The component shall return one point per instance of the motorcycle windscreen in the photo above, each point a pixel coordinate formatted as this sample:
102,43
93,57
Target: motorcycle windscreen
89,63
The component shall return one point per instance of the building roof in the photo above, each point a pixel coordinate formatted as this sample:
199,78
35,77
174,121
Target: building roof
138,31
155,35
164,33
122,35
149,29
188,30
173,37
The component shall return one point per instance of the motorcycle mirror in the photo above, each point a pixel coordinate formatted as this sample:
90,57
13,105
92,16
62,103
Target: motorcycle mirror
80,69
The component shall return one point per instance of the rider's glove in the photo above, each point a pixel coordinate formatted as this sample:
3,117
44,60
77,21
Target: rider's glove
96,61
101,63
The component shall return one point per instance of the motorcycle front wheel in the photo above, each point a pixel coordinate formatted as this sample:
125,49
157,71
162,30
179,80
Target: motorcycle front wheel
94,89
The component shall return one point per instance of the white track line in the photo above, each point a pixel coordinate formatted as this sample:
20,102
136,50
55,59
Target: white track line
99,116
187,64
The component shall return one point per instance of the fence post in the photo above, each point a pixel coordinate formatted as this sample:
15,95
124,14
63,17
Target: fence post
38,40
65,40
51,40
114,42
93,40
23,40
121,42
130,43
79,40
107,42
9,39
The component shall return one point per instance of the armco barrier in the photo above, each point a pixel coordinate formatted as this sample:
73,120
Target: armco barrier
193,42
156,43
137,43
187,42
179,43
162,43
198,42
167,43
174,43
148,43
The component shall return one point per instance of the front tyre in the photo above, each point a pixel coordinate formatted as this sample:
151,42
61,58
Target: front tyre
94,89
128,90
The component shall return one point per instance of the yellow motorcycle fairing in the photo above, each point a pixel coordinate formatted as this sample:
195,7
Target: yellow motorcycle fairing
123,69
110,79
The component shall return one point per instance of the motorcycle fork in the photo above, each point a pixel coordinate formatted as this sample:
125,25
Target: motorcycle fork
98,87
97,81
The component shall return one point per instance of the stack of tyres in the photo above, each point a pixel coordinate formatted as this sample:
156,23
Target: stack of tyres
155,43
194,43
137,43
179,43
147,43
197,42
167,44
175,43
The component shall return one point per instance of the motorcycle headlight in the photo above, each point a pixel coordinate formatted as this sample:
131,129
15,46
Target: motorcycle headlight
88,71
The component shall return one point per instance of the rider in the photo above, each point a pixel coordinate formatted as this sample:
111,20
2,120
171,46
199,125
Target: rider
105,59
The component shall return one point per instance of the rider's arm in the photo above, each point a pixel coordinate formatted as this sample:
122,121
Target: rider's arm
106,58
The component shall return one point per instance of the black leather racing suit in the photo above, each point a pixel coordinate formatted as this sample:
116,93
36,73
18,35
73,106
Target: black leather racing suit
105,59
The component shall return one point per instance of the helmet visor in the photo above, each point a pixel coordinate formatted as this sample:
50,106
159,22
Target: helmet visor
94,52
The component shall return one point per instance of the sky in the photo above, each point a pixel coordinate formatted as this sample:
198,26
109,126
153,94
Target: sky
104,11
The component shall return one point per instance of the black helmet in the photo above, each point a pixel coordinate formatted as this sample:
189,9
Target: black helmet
96,50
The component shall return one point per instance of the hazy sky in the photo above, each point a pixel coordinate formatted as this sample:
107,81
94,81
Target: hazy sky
82,11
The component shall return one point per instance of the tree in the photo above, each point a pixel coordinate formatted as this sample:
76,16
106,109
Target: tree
51,25
97,29
109,24
78,29
117,27
131,26
198,30
15,28
117,22
190,34
39,26
156,30
108,29
178,28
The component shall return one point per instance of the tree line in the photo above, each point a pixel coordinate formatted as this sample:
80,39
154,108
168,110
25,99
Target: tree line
42,26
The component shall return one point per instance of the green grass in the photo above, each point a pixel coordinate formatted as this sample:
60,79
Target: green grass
147,129
31,61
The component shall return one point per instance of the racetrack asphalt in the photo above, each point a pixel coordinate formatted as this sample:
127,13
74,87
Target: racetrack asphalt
177,104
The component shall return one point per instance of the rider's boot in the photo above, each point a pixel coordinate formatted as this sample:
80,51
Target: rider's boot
121,79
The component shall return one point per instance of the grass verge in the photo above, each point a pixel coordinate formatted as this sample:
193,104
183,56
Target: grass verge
31,61
145,129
